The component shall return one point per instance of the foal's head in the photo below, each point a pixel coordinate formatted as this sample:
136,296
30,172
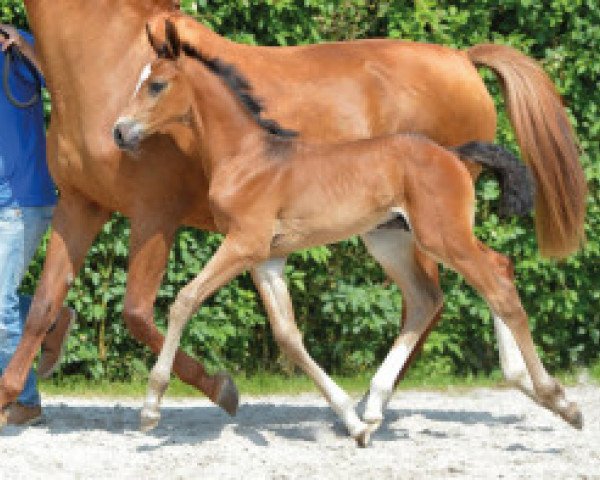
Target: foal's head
162,99
165,94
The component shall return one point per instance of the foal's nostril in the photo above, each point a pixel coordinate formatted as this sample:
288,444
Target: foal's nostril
127,134
118,136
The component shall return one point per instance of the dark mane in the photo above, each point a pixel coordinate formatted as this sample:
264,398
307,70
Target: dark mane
241,88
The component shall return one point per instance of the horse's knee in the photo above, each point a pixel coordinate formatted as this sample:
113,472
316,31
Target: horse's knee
504,302
183,307
503,298
288,338
434,295
503,264
38,318
251,251
137,320
10,388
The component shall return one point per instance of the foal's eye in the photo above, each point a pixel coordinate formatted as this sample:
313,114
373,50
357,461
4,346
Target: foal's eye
156,87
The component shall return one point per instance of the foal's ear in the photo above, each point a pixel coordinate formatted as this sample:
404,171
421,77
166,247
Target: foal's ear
173,38
151,39
161,49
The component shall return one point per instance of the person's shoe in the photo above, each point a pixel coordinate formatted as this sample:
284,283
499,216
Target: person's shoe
53,345
24,416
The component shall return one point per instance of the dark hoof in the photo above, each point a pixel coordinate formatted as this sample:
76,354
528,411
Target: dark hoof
3,418
227,394
576,420
363,439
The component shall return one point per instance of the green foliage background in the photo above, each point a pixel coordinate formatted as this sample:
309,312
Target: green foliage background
348,316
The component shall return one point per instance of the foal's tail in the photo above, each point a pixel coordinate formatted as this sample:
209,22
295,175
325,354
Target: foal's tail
547,143
516,182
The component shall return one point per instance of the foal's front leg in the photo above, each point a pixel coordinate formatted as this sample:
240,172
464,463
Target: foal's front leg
269,279
231,259
151,241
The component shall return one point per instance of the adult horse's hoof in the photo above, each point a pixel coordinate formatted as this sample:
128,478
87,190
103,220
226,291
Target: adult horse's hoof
227,394
3,418
149,419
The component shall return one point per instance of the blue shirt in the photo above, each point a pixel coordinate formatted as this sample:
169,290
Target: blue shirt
24,177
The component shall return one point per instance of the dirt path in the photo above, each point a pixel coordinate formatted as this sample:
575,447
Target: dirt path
477,434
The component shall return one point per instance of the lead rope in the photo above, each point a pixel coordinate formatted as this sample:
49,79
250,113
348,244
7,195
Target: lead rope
12,54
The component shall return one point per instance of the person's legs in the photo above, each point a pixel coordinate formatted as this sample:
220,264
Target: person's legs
20,233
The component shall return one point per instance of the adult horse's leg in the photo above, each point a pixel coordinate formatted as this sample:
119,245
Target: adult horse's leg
273,290
417,277
149,251
233,257
75,223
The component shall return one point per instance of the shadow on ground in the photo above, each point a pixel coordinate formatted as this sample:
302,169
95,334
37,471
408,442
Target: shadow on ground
256,422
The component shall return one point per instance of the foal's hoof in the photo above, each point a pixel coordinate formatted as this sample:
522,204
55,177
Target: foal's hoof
363,437
149,419
373,426
227,394
573,416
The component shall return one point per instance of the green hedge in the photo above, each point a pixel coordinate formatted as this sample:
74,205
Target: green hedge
349,317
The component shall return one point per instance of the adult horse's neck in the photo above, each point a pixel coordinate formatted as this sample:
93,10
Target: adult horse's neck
91,53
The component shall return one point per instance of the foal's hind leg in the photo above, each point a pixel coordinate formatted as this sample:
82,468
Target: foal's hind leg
422,301
513,366
270,282
450,239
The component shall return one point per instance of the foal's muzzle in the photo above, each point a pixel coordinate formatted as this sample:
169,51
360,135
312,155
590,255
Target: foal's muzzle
127,134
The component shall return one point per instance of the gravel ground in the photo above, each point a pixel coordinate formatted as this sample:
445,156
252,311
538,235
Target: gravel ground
474,434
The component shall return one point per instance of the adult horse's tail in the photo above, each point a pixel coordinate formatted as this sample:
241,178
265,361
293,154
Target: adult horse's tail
548,146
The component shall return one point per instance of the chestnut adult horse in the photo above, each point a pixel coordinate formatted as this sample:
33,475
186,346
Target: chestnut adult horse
272,194
354,89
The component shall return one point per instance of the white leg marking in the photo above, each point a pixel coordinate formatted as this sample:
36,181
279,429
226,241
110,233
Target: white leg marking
382,383
275,294
513,364
394,250
341,404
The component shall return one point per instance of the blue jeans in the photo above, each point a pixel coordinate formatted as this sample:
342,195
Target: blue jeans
21,229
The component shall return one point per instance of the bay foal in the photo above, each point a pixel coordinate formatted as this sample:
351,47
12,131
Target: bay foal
331,92
272,194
